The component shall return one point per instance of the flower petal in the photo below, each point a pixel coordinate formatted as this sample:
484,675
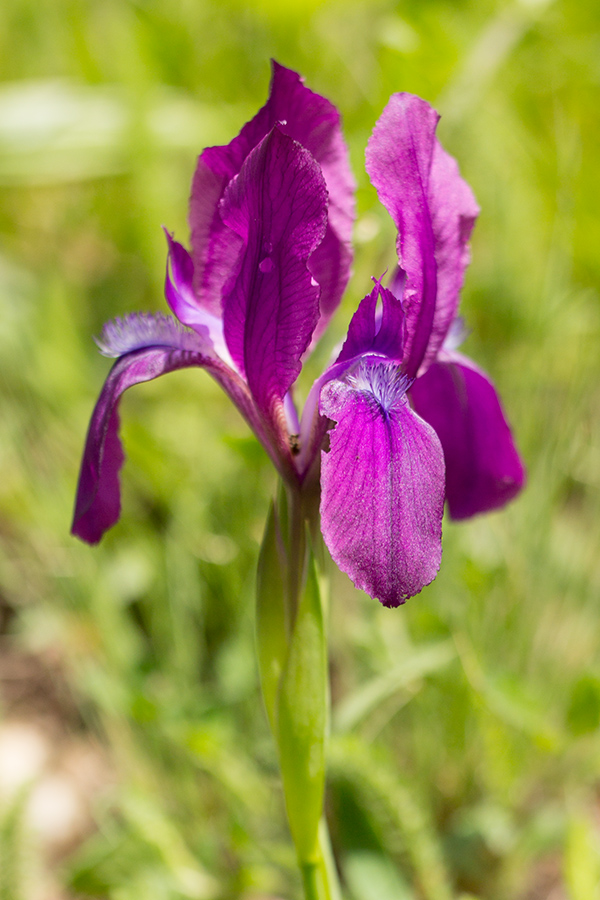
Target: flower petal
315,123
398,160
278,206
97,504
454,212
376,331
483,468
182,299
434,211
382,486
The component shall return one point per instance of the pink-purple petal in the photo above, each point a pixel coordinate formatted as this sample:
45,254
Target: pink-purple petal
97,504
382,487
483,468
454,212
434,211
315,123
398,159
181,297
376,327
138,330
278,206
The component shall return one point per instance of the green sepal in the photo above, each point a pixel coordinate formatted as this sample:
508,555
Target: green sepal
302,718
271,612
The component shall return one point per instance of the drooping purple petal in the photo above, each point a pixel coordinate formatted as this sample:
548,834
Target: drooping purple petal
97,504
382,485
434,211
398,160
315,123
483,468
138,330
278,206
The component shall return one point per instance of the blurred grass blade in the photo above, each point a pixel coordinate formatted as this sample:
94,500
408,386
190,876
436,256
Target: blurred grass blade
56,130
582,858
425,660
371,876
389,799
493,46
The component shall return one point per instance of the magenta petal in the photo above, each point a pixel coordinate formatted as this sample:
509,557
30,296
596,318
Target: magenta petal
398,158
434,211
382,487
181,297
373,330
97,505
278,206
483,468
315,123
454,212
98,500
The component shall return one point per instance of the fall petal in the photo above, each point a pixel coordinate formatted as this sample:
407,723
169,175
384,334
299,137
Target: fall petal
382,486
97,504
483,468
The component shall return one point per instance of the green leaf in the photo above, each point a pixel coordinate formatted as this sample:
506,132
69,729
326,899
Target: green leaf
302,718
271,630
371,876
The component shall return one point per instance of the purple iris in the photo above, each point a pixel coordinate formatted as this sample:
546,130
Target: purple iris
399,421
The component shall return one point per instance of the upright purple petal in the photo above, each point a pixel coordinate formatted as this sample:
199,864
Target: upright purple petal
315,123
434,211
373,330
398,158
483,468
454,212
382,485
278,206
181,297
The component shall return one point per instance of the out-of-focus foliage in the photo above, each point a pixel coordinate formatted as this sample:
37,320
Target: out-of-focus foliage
466,746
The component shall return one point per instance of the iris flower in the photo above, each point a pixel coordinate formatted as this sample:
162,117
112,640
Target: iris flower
399,421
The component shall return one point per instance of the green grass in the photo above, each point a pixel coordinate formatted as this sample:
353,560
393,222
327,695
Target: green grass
466,761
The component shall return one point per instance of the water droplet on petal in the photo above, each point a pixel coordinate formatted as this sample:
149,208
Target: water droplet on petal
266,265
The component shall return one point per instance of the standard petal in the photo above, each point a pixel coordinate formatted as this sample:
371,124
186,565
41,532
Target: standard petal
382,486
454,212
181,297
315,123
434,210
483,468
398,159
97,504
376,330
278,206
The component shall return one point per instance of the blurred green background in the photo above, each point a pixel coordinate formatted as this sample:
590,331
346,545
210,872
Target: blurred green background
135,759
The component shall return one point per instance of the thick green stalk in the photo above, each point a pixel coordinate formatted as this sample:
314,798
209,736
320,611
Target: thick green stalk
292,652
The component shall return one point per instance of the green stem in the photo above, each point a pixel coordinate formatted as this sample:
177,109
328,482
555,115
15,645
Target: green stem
292,647
319,876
